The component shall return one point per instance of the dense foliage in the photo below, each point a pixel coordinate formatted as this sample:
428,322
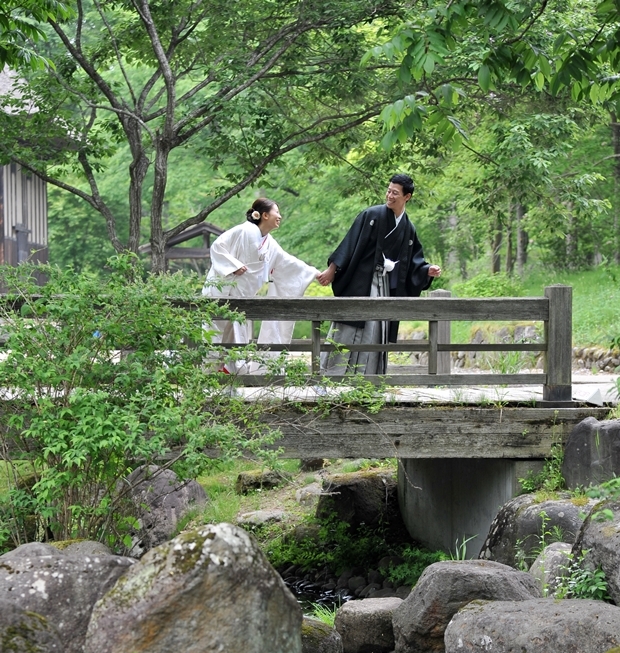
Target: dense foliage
180,116
21,25
97,378
235,85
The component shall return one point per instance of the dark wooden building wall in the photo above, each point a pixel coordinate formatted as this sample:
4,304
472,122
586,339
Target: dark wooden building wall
23,216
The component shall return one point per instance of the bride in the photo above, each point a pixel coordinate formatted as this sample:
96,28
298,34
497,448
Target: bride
242,260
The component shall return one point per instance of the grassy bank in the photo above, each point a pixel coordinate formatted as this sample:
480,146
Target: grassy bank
596,305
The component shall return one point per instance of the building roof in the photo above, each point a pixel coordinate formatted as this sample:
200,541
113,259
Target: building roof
202,229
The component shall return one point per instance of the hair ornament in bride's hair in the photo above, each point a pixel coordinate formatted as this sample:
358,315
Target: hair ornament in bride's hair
256,215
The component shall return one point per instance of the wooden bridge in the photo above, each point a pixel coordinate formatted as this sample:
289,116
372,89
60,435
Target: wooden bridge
457,463
554,311
497,429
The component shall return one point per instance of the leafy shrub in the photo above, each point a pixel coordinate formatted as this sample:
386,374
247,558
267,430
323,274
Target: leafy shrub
489,285
550,478
581,582
335,547
99,377
416,561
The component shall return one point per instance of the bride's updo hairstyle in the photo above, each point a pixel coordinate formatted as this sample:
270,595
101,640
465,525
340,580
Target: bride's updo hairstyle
260,206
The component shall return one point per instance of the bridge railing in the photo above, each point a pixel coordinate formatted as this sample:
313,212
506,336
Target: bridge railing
439,310
554,310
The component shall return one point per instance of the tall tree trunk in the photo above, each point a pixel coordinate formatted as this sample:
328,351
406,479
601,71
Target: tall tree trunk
571,239
615,132
496,262
137,172
160,180
522,240
510,259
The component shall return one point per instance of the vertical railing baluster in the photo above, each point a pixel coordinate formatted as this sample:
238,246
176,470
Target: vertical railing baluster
444,358
433,335
316,347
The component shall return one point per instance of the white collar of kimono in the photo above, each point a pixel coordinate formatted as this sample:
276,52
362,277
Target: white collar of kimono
398,219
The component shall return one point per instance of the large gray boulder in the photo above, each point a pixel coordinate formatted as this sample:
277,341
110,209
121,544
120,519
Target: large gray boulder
599,540
535,626
523,527
26,632
592,453
319,637
367,497
367,625
211,589
31,550
443,589
159,500
62,588
87,547
550,566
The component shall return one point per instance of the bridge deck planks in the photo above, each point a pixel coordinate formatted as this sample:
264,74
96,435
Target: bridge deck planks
426,432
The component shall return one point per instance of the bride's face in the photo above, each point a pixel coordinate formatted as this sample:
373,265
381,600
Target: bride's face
270,220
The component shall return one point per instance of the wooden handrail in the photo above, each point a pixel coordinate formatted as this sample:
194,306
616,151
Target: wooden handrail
554,310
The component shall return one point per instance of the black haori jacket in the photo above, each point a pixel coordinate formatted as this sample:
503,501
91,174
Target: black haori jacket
363,248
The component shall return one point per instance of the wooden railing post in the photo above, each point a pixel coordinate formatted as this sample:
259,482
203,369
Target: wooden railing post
442,362
315,355
558,336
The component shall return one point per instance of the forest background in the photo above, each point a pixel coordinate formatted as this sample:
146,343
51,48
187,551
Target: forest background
153,116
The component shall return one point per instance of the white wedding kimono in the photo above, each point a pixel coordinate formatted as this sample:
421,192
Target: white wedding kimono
265,260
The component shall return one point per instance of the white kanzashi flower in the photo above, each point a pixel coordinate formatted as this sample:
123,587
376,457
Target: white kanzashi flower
256,215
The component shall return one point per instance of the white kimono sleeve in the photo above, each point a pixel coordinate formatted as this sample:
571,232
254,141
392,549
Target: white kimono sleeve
289,277
230,251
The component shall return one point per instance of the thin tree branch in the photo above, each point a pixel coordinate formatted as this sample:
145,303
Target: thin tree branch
117,53
260,167
534,18
484,157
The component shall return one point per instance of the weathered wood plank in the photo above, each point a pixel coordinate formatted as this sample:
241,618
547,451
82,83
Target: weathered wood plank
401,345
365,308
422,432
558,330
391,308
404,380
443,362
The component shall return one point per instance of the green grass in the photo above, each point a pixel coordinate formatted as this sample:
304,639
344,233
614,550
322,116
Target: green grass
224,504
596,301
596,306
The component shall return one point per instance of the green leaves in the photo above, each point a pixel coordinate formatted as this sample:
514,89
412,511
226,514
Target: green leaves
484,77
22,23
495,47
104,375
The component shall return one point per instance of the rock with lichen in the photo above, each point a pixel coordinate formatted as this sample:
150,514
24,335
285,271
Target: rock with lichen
61,588
26,632
210,589
535,625
443,589
319,637
160,499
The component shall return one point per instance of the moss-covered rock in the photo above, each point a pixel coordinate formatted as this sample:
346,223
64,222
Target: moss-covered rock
206,590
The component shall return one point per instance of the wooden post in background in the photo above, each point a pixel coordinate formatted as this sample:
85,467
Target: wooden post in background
559,336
